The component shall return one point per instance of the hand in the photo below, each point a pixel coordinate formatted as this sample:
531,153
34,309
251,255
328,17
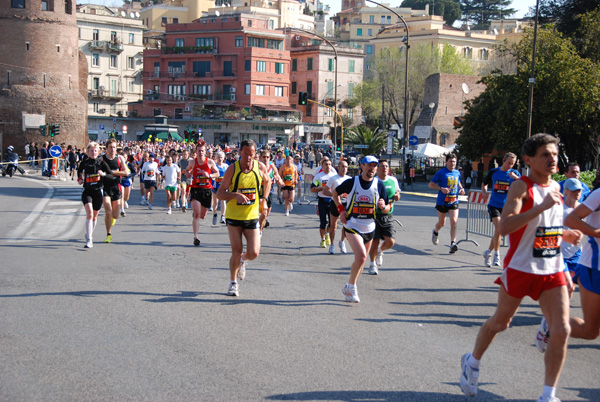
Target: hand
241,198
79,180
461,191
551,199
381,204
573,236
570,284
343,217
444,190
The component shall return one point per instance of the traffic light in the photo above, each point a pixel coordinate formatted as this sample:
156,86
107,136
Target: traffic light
193,136
186,135
44,130
303,98
54,130
338,144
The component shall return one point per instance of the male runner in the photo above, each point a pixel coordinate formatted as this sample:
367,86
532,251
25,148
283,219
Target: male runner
300,169
289,174
447,182
222,167
151,174
241,189
202,170
385,222
112,187
533,217
332,183
265,158
183,163
172,173
573,172
366,194
279,161
317,186
500,179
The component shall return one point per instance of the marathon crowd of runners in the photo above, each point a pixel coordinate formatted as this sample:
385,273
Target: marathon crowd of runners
544,220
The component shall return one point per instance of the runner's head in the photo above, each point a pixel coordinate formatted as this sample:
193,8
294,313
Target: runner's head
326,164
451,160
342,167
92,150
383,168
368,165
168,160
541,150
247,152
509,160
265,156
219,157
111,148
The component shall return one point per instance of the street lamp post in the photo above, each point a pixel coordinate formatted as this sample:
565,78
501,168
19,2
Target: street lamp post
406,124
431,106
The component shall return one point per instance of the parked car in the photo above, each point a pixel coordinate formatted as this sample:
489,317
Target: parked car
351,159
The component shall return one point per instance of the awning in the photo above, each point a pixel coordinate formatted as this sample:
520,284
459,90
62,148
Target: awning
161,135
277,108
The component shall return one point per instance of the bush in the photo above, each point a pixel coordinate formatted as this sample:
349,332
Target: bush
586,177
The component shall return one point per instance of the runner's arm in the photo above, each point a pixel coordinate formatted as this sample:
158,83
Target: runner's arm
575,220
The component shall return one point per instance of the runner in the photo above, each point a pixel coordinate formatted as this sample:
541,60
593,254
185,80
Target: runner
265,158
332,183
202,170
300,169
366,194
289,175
90,173
279,161
500,179
384,229
533,267
151,175
127,182
571,253
241,188
222,167
447,182
317,186
112,186
172,175
145,158
183,163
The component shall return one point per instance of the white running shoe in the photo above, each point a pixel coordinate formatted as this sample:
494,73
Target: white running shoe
287,213
548,399
89,244
177,204
150,206
143,201
222,219
453,247
234,289
351,294
487,258
291,206
331,249
542,336
343,247
214,222
169,211
242,271
434,237
496,261
468,377
373,268
379,259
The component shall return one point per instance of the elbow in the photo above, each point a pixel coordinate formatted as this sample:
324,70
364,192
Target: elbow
431,185
503,230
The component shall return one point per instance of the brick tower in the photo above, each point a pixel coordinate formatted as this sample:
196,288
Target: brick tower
43,76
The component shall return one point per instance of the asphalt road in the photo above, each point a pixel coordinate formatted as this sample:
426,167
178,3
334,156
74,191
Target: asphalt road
146,317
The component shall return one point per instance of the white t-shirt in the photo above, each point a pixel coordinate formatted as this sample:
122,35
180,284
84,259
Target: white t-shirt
150,171
590,253
322,179
336,181
170,174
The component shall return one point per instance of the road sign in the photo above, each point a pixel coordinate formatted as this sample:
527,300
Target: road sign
413,140
55,151
114,120
361,146
101,126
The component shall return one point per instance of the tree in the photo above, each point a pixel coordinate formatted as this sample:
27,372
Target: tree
482,11
588,35
448,9
565,13
362,135
566,99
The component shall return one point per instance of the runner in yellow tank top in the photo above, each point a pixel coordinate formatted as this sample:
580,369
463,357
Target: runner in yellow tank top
289,174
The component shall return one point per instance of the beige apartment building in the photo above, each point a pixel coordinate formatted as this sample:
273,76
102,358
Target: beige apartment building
111,41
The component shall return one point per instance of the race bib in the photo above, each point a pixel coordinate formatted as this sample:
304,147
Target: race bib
363,210
150,173
287,177
218,179
501,187
450,199
201,180
92,178
250,193
546,243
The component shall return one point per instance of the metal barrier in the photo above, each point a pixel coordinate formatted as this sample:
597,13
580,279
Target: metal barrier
306,183
478,217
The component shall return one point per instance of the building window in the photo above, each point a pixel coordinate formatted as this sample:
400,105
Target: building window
309,64
329,89
275,44
239,41
350,90
294,64
247,65
131,39
389,19
157,111
271,24
157,69
113,36
256,42
95,60
351,113
130,63
131,86
96,83
261,66
205,42
249,22
369,32
247,89
308,110
200,68
177,91
68,7
371,19
201,89
95,34
96,107
328,112
309,88
163,21
17,3
27,46
113,61
468,52
279,69
330,65
260,89
369,49
383,19
358,31
179,42
47,5
294,87
175,20
350,66
114,87
485,54
278,91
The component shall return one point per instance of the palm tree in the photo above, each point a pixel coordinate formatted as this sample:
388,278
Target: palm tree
362,135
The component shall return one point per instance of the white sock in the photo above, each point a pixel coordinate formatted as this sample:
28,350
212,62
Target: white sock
351,286
94,225
89,228
548,392
473,362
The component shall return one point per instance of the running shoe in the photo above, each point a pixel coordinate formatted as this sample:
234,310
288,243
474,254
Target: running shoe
242,271
234,289
327,240
123,214
379,259
183,208
126,205
373,268
496,261
298,202
196,241
222,219
548,399
323,245
487,258
150,207
267,224
108,239
214,222
287,213
468,377
434,237
89,244
331,249
210,209
542,336
343,247
177,204
291,206
453,248
142,200
280,202
351,294
169,211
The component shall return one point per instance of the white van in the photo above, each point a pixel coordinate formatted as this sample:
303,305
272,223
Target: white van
321,143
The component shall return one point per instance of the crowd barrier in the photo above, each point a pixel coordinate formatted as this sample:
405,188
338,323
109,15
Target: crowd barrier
478,217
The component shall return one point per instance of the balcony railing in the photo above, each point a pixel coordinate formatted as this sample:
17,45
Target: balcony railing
109,46
178,98
106,94
189,49
185,74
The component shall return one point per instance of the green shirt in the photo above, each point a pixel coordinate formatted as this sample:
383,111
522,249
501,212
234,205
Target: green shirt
391,186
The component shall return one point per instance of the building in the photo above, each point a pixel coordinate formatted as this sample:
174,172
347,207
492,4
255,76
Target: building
111,41
228,75
43,73
313,71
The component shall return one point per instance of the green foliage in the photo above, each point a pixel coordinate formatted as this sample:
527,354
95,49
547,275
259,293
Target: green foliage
588,39
375,139
448,9
586,177
482,11
565,13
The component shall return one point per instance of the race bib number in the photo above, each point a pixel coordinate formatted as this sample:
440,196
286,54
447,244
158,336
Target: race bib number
363,210
250,193
201,180
93,178
287,177
546,243
150,173
501,187
218,179
450,199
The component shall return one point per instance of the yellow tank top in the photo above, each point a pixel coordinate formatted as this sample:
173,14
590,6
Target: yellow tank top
249,185
289,175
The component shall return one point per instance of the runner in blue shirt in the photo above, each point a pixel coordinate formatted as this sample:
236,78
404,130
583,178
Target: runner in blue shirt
448,184
499,179
573,172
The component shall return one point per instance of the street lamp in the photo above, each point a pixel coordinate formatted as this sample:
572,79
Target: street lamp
532,78
431,106
406,125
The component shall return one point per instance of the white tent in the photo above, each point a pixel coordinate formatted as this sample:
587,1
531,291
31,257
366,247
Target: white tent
427,150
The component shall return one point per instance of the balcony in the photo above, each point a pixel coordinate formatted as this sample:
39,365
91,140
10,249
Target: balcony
177,98
186,74
114,46
109,46
189,50
104,94
97,45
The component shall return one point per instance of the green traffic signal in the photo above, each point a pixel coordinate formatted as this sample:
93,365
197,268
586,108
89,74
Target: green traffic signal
303,98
